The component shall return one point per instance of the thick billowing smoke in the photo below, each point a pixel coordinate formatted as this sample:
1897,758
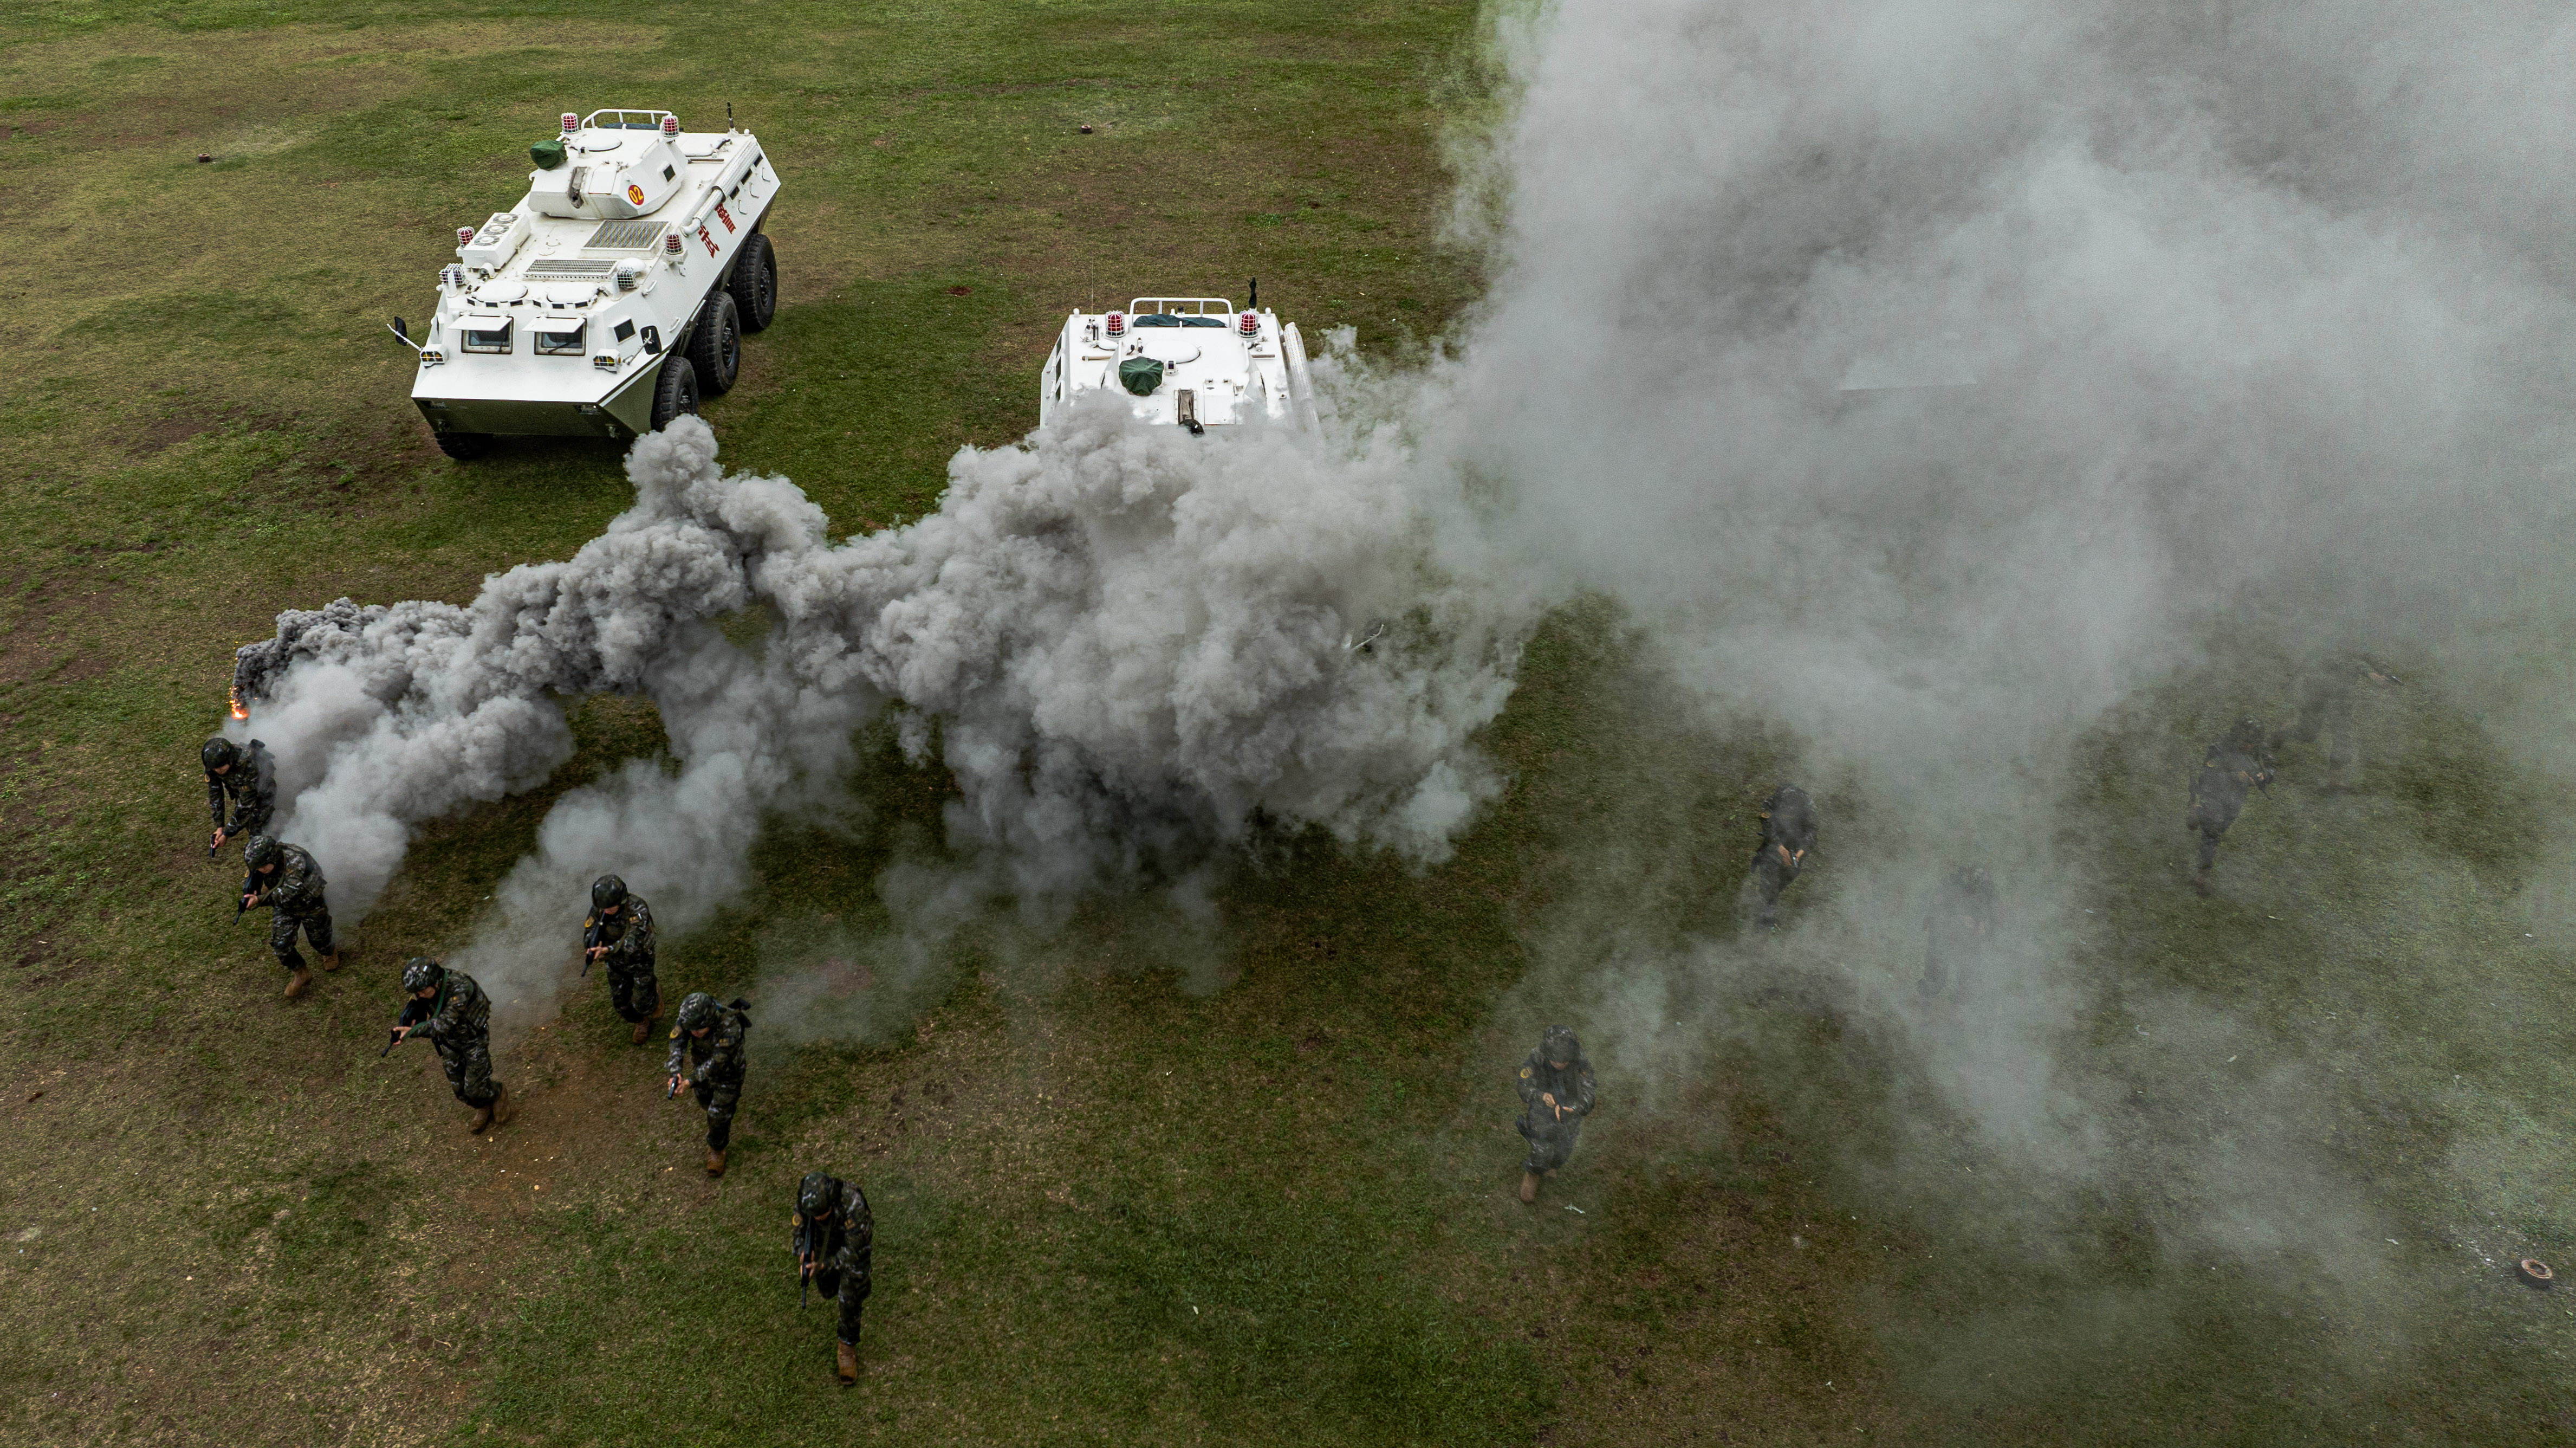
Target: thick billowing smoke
1930,376
1127,647
1928,369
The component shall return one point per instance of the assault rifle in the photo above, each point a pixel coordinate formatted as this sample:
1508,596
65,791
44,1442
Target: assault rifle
414,1012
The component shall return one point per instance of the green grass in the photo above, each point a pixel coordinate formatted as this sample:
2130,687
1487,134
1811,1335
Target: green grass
1134,1182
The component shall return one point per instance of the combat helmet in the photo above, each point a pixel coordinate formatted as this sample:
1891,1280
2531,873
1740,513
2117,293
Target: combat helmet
421,973
219,753
818,1198
607,891
1557,1043
261,851
697,1013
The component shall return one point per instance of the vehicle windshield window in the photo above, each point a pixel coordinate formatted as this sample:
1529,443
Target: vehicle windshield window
555,339
487,339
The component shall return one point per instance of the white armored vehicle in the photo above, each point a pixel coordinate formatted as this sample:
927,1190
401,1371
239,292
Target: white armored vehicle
1193,361
613,297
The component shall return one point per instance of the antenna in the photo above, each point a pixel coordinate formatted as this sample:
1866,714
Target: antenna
1253,304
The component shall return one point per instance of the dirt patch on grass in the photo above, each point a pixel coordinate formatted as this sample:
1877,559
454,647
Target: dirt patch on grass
33,649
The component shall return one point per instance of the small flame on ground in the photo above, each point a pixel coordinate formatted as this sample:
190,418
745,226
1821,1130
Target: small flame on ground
239,710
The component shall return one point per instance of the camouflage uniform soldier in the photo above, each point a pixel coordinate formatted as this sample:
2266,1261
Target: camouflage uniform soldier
711,1036
459,1024
1961,930
619,933
1556,1094
244,778
2236,764
834,1239
1788,833
2325,707
285,880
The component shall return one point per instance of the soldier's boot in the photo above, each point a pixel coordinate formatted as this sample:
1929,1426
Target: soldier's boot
298,983
2201,880
849,1364
1529,1186
482,1117
331,961
642,1030
501,1108
715,1162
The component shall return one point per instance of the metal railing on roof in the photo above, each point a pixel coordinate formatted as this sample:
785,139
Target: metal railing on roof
625,120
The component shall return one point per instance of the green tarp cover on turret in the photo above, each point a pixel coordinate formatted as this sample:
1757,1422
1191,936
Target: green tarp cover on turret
1140,375
547,154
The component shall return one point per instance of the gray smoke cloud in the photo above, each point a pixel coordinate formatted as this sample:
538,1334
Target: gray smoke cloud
1127,647
1930,377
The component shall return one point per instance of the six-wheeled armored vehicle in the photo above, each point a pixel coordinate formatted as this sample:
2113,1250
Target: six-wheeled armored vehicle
1192,361
613,297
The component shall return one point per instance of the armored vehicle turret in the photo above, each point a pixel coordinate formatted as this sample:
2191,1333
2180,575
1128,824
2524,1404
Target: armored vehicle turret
613,297
1194,362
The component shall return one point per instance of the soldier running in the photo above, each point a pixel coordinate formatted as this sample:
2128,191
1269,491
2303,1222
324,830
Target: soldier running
2235,765
2325,707
710,1035
459,1024
619,934
1788,833
1960,932
1556,1094
834,1238
284,879
244,778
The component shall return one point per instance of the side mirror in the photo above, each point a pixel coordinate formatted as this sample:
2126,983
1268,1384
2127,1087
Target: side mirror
653,341
403,331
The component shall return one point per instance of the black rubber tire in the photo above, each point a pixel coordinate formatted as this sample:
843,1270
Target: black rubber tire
465,447
674,392
755,283
715,345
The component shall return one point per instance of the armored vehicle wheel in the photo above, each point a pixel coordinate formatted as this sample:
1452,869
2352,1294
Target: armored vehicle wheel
465,447
675,392
755,283
715,345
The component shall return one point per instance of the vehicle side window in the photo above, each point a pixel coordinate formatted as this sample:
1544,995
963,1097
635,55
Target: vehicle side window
487,339
559,339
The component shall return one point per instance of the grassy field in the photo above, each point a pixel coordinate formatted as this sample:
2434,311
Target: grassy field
1123,1193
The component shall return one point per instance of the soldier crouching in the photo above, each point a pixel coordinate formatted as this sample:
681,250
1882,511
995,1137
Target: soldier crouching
1556,1094
1788,833
285,880
835,1245
619,935
458,1021
710,1036
244,778
2236,764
